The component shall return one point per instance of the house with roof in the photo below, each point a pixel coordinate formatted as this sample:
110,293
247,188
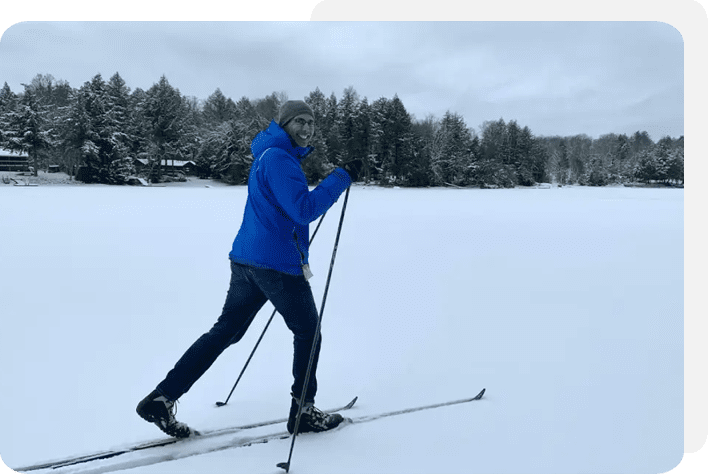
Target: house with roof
13,161
189,168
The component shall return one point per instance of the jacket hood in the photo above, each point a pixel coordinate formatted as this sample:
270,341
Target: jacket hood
275,137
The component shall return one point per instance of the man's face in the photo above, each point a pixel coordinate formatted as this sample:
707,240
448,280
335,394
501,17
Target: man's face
301,129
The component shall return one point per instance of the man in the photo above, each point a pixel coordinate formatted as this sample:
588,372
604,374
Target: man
269,261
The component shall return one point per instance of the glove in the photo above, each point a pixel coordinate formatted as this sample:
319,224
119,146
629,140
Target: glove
354,168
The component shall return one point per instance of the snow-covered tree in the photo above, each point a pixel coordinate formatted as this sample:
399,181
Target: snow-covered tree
398,133
317,165
218,108
8,103
164,113
450,152
27,129
97,134
348,113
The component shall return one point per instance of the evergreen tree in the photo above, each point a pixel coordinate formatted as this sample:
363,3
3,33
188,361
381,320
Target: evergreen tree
348,111
640,142
27,129
97,135
269,107
400,138
675,162
118,115
164,112
450,153
362,137
378,140
564,176
193,125
595,172
137,128
620,158
495,168
663,156
8,99
521,153
579,153
330,130
317,165
218,109
536,156
54,98
8,104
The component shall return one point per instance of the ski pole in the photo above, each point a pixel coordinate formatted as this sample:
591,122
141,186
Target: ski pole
221,404
286,465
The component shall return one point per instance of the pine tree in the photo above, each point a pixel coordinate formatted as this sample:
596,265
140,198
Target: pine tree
378,140
117,117
96,132
8,99
347,112
676,167
496,167
8,104
218,108
27,129
269,107
118,104
164,112
400,138
137,128
450,153
620,158
330,130
424,139
362,137
317,165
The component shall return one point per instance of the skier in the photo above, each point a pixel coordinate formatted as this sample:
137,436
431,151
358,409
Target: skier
269,261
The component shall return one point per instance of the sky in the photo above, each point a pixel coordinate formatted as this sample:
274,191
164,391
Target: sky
556,77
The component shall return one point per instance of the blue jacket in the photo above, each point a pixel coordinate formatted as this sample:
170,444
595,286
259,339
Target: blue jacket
275,232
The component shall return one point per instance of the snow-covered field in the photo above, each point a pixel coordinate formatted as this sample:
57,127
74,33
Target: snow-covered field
565,303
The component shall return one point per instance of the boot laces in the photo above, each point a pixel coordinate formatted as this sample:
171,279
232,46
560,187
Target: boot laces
316,415
171,407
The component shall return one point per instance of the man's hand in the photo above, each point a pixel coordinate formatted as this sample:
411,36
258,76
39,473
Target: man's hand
353,168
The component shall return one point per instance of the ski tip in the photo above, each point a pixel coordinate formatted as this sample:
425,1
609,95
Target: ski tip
351,404
480,394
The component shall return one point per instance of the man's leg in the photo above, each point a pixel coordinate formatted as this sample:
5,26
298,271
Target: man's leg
292,297
243,301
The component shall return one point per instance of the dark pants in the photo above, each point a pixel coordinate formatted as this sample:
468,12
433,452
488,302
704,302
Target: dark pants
250,288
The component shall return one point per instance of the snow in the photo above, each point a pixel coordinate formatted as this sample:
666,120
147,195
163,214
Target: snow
565,303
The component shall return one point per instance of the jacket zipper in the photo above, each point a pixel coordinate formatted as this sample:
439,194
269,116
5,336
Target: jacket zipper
297,246
305,267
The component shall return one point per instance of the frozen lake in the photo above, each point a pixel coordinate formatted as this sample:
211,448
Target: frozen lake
565,303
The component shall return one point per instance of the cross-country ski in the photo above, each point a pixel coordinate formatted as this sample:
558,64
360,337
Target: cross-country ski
154,452
162,442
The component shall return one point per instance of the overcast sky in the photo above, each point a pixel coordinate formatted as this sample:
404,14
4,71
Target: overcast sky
558,78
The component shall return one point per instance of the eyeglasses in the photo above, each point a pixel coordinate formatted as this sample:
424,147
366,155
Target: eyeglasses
302,122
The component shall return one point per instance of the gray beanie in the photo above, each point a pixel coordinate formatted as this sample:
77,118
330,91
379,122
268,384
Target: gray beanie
291,109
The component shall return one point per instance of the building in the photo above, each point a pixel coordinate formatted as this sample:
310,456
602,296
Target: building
13,161
186,167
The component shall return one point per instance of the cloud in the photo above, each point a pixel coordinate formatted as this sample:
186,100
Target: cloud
528,71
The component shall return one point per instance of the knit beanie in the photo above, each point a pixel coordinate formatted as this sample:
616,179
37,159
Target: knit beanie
291,109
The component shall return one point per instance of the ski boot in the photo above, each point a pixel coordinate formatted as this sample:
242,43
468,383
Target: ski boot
157,409
312,419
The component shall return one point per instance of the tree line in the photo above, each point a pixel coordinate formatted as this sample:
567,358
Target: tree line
99,132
